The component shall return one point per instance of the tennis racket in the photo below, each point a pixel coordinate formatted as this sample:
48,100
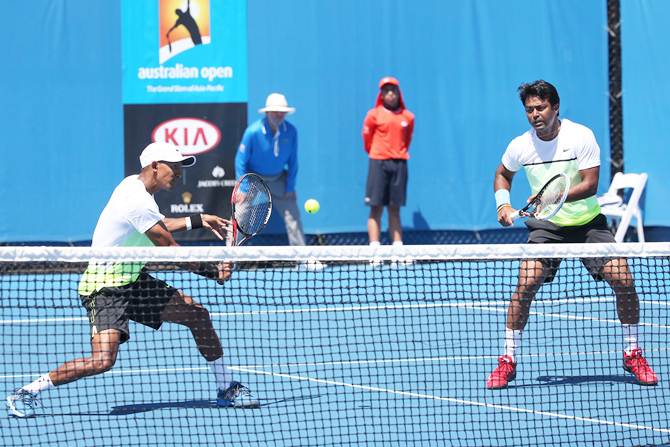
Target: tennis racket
251,203
548,201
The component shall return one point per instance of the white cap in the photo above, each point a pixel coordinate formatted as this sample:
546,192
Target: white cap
276,102
160,151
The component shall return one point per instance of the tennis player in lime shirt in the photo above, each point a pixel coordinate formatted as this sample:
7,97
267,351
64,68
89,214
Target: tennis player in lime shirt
115,292
554,145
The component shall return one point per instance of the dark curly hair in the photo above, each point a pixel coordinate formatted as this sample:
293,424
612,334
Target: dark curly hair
542,89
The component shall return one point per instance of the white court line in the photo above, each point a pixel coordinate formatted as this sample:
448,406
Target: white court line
466,358
119,372
573,317
488,306
461,401
43,320
142,371
472,304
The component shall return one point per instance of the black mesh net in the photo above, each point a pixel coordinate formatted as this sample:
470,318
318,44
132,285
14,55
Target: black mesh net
339,346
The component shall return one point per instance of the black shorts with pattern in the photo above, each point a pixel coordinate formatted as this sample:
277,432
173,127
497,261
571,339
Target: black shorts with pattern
142,301
595,231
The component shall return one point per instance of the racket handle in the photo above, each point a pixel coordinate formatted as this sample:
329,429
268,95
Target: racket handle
515,215
230,233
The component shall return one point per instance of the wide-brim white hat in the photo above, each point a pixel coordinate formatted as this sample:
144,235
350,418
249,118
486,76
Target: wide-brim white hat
276,102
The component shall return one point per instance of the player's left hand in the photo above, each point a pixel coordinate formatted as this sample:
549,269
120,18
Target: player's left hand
225,271
505,215
532,210
217,225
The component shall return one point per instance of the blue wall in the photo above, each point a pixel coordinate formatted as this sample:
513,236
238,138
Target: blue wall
61,117
459,63
646,95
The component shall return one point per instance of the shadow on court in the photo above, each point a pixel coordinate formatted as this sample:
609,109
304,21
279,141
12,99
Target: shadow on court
124,410
579,380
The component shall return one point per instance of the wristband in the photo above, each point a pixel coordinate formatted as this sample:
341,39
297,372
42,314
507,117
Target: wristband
196,221
502,197
503,206
189,226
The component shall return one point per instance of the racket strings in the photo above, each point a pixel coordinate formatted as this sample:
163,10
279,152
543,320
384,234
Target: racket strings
551,198
252,203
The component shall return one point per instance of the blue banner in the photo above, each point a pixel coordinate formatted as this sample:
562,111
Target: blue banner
184,51
185,83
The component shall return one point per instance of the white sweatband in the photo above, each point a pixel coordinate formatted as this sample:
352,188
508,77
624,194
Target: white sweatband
189,225
502,197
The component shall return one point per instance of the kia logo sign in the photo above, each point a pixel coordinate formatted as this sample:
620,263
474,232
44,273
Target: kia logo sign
192,135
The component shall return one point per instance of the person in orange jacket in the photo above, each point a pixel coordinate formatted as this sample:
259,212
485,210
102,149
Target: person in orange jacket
387,134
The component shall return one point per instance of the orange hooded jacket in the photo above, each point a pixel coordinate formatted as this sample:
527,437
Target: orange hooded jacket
387,134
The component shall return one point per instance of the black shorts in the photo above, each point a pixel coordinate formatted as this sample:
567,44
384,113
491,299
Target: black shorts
142,301
387,183
595,231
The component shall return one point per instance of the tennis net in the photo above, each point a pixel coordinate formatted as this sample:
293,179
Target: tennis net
345,346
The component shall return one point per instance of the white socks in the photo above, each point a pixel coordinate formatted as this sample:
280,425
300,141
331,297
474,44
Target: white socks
397,243
630,339
630,335
512,342
43,383
222,373
513,339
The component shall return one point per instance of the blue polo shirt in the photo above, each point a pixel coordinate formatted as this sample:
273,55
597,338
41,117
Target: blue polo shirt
268,154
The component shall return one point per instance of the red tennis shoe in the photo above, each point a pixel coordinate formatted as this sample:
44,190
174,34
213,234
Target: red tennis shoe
636,364
503,374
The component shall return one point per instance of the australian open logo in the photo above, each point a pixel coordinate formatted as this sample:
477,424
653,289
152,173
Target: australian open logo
183,24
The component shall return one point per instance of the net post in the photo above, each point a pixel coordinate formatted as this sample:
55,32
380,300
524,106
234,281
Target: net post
615,90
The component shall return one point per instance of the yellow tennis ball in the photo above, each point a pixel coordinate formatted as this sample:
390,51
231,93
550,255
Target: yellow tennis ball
312,206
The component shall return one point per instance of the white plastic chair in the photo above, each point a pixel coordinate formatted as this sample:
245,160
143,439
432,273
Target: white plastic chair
613,206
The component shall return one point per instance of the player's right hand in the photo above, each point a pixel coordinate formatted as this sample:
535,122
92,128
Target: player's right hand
217,225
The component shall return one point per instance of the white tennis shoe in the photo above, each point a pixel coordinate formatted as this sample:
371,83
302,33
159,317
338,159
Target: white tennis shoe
22,403
236,396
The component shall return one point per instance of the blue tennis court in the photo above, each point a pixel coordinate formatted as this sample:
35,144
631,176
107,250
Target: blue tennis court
355,355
